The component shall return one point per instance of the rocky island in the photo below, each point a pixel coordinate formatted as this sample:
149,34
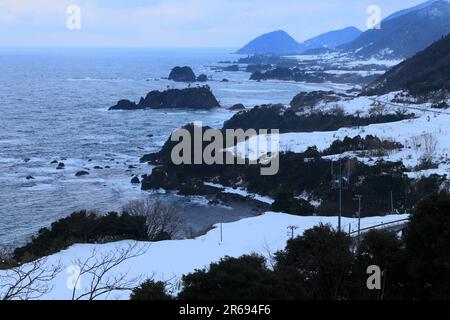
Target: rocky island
195,98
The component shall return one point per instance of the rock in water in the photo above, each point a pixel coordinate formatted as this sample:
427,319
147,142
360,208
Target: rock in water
202,78
30,178
182,74
135,180
195,98
81,173
237,107
126,105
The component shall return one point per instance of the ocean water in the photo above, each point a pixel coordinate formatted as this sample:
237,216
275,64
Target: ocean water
53,106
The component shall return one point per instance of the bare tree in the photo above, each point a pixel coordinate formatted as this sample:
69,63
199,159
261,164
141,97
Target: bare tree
99,268
429,144
377,109
28,281
161,220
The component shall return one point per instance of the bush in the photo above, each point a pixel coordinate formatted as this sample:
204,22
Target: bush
150,291
244,278
427,243
386,250
285,202
323,257
83,227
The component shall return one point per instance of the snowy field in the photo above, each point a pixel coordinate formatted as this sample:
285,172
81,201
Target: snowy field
169,260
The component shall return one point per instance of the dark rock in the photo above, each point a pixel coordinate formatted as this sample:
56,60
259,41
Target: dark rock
54,162
237,107
196,98
160,178
311,99
258,67
81,173
30,178
202,78
61,166
98,168
233,68
125,105
26,160
135,180
150,136
131,167
107,167
182,74
225,80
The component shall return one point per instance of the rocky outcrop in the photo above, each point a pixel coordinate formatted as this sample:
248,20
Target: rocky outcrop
81,173
125,105
237,107
135,180
310,99
202,78
196,98
182,74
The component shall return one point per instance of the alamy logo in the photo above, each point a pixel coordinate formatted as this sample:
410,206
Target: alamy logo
74,18
253,147
73,279
374,280
374,19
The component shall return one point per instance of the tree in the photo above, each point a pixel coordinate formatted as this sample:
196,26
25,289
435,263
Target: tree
385,250
100,267
244,278
28,281
151,291
323,257
427,244
161,220
285,202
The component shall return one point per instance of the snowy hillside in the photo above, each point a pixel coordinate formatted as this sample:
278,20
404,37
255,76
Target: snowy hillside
169,260
427,134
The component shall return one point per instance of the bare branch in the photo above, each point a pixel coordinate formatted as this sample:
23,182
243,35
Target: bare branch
98,268
28,281
162,221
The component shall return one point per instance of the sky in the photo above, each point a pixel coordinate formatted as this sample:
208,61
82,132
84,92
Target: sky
177,23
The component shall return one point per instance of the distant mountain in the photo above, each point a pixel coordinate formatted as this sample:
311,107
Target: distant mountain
426,72
409,10
404,33
332,39
280,42
277,42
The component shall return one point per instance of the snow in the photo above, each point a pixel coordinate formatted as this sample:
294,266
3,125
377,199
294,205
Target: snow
169,260
414,134
241,192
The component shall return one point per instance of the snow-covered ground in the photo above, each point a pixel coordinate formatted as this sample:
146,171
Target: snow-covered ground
169,260
343,60
241,192
426,135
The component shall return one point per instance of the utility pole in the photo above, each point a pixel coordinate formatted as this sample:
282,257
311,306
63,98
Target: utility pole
291,229
338,183
358,198
392,202
340,196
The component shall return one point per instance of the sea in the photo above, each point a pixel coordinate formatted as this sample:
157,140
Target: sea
54,107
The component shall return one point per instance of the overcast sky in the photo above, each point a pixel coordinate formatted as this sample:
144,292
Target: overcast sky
178,23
